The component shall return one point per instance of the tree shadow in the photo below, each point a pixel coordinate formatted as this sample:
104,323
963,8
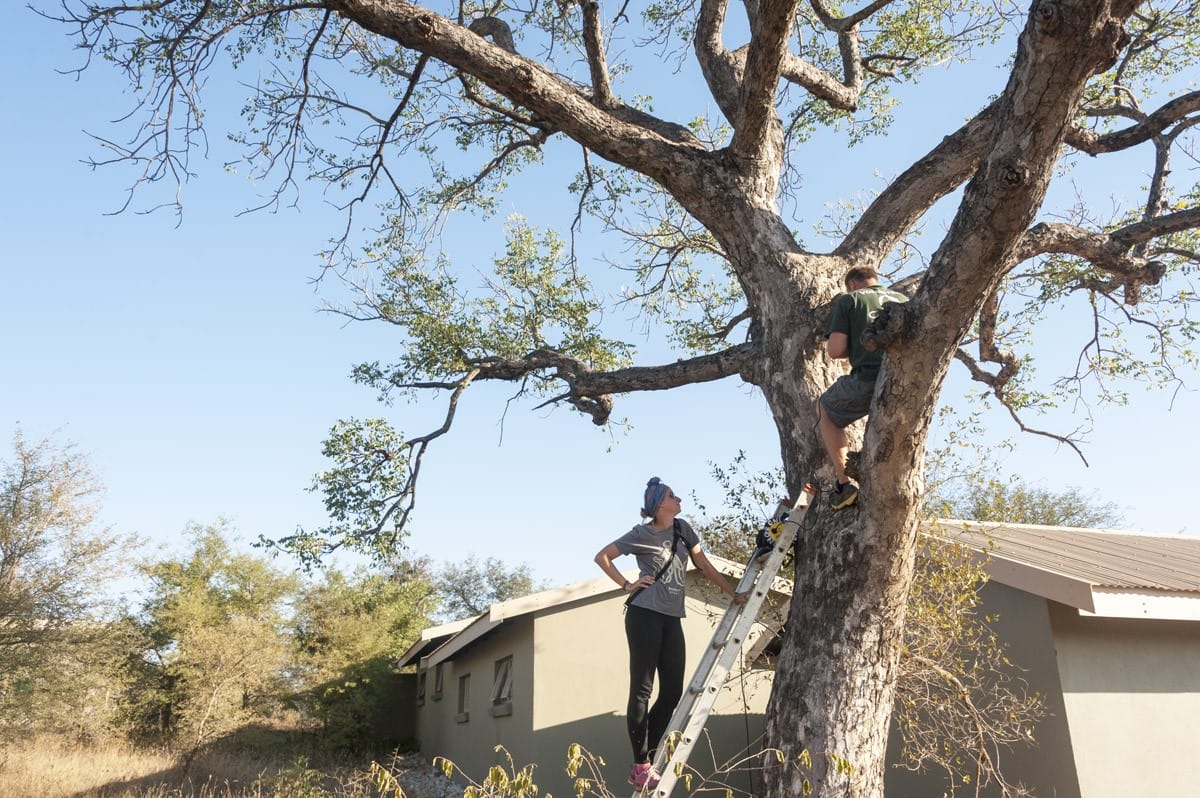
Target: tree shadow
253,754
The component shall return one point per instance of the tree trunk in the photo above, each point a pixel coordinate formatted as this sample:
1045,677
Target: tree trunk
831,702
831,705
830,708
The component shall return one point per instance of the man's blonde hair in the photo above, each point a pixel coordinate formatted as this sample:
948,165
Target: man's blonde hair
860,274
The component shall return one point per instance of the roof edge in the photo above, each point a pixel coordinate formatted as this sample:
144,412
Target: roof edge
479,627
429,636
1035,579
1144,605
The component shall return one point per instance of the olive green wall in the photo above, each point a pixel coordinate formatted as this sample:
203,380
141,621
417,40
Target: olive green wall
470,743
1022,621
1132,695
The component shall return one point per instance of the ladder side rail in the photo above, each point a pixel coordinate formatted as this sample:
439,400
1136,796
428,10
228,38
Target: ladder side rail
758,569
716,643
721,634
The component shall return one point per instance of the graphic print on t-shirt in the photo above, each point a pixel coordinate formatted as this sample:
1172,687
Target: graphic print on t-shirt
672,579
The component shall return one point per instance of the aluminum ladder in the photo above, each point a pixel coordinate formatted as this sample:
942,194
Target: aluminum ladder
693,709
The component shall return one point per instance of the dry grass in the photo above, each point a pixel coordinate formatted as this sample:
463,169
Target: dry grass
50,768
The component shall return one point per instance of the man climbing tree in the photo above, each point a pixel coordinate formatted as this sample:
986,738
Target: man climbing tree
702,207
849,398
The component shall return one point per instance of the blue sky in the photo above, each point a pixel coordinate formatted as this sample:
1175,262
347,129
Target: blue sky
192,362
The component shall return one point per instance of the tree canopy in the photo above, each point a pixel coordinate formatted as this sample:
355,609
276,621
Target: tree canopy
61,636
410,114
468,587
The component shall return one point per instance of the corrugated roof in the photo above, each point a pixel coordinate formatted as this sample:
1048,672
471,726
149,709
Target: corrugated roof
1103,558
1061,563
429,640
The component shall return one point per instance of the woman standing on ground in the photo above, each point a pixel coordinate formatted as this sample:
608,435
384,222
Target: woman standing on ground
652,621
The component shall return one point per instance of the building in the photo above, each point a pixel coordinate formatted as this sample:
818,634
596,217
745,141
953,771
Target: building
1105,625
539,673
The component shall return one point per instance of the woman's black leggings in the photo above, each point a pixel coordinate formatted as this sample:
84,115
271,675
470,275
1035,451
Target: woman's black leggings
655,644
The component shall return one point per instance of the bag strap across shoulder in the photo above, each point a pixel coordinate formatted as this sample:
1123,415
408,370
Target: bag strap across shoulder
676,536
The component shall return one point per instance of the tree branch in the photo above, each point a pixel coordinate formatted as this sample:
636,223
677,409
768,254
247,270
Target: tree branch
1146,127
625,136
722,70
1111,252
770,30
591,392
898,207
593,38
980,374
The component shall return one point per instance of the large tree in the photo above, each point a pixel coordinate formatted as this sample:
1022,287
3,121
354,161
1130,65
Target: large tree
503,81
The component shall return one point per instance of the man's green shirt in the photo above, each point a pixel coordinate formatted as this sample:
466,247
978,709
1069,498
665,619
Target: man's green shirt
851,314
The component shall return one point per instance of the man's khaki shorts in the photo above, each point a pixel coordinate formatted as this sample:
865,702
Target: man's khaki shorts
848,399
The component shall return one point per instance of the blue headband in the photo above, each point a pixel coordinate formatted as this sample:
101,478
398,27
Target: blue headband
655,491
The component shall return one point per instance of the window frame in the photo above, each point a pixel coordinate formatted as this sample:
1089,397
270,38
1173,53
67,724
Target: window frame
502,687
464,699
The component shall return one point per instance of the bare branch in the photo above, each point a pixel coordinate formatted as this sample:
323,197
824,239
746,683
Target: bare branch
593,39
985,733
981,375
757,121
1147,126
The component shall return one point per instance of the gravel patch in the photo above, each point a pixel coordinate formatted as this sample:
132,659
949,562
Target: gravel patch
420,779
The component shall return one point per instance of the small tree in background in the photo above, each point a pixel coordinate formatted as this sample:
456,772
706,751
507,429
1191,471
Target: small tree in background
349,630
61,640
468,587
219,651
1016,502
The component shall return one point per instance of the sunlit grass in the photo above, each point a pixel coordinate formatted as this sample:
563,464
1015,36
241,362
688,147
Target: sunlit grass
51,768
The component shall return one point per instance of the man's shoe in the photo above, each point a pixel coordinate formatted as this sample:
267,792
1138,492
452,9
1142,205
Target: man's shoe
843,496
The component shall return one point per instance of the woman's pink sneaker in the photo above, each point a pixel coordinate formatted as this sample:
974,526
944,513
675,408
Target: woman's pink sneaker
643,778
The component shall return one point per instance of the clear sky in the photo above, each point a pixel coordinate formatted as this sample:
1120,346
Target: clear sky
192,363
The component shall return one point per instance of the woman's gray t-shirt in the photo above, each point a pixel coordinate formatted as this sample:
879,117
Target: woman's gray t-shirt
652,549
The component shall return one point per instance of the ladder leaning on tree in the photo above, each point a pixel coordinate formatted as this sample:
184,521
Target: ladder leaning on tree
693,709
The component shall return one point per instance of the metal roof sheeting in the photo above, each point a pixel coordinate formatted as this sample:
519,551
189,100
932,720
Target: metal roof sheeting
1102,558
